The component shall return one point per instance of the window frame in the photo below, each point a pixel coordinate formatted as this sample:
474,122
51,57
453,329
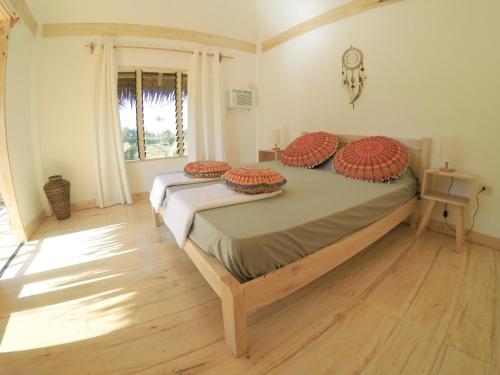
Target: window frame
138,70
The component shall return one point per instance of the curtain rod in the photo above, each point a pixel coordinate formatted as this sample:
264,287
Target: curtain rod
92,46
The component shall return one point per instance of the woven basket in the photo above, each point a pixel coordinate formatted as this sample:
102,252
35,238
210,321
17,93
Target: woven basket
57,191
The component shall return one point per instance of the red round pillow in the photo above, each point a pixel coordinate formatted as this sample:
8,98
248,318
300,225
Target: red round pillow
254,180
310,150
375,159
206,169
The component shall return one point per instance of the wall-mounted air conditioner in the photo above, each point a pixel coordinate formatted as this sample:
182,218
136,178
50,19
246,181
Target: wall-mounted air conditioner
241,98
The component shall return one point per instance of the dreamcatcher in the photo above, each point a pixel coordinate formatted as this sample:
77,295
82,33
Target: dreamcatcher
353,73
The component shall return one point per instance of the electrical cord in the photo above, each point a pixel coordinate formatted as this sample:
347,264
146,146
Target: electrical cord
445,212
475,212
418,193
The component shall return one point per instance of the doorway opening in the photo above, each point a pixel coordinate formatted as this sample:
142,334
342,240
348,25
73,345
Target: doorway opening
9,242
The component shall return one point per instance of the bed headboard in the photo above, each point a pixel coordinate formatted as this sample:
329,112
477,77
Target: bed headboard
419,151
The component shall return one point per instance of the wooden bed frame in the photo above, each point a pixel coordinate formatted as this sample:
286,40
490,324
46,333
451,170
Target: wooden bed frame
241,299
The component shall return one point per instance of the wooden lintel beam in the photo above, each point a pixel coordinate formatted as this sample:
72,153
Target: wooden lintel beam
346,10
146,31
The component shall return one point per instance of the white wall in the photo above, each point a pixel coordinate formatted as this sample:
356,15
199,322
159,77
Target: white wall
66,79
432,68
19,122
67,71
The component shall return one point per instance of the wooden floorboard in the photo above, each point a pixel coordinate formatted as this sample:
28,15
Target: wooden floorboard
106,292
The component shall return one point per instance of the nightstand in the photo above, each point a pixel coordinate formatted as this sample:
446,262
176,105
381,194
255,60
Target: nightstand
432,196
269,155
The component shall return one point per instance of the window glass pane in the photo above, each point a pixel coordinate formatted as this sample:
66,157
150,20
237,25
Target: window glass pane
158,98
185,111
127,108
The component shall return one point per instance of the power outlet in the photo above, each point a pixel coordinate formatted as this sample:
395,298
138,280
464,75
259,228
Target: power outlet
488,189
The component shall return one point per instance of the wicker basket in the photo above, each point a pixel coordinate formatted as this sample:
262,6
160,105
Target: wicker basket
57,191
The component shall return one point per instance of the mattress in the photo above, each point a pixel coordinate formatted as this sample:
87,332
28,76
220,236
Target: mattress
316,209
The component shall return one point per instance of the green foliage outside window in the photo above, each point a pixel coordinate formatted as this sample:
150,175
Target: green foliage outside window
160,122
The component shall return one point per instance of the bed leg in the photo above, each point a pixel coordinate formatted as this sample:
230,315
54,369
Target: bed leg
414,216
156,218
234,316
426,217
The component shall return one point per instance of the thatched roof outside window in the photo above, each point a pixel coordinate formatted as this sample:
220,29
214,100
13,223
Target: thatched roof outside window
184,86
156,87
126,88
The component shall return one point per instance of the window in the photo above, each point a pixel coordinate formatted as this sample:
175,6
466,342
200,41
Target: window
153,114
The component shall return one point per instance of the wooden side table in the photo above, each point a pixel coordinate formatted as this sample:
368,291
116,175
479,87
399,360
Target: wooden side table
432,196
269,155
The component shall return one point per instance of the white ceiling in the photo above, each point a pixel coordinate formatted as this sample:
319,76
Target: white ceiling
232,18
276,16
250,20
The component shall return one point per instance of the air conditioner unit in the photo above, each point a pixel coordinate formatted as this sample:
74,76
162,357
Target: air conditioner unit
240,98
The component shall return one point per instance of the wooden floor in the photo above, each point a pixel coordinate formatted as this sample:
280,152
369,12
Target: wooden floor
108,293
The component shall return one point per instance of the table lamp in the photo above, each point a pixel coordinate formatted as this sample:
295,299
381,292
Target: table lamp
448,153
276,138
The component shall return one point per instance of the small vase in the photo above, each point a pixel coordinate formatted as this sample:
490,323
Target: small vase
58,194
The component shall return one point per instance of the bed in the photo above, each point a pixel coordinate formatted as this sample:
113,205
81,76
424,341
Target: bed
256,253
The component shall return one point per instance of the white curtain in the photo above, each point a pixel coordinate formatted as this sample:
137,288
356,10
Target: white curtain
205,128
111,175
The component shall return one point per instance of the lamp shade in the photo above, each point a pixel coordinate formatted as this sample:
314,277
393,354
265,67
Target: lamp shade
275,136
448,151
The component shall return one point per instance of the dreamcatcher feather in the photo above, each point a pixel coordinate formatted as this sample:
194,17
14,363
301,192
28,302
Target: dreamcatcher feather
353,73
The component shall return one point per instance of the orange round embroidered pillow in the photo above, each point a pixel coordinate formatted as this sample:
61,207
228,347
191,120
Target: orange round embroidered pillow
206,169
376,159
310,150
254,180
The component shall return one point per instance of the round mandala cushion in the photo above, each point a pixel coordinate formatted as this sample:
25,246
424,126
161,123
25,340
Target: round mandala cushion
375,159
254,180
206,169
310,150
